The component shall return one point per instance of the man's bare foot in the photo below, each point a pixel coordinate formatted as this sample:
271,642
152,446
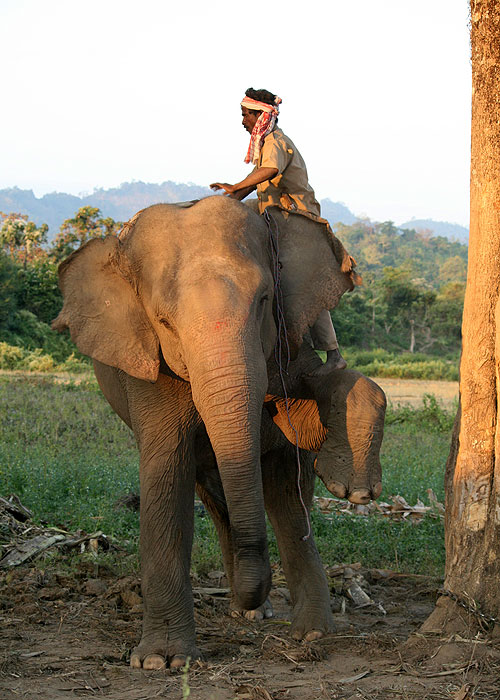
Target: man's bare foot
334,360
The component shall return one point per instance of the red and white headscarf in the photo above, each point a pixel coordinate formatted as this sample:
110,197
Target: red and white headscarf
263,126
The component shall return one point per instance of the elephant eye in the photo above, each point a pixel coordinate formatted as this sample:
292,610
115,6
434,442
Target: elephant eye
165,323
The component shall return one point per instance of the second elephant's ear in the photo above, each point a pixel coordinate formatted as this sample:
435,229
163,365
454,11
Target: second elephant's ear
315,271
103,312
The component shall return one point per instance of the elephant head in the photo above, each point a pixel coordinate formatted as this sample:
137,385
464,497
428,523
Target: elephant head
194,287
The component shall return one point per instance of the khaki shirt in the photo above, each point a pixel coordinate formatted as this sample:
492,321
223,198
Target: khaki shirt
290,188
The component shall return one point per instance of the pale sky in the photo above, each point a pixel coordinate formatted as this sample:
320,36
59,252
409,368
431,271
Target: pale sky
376,96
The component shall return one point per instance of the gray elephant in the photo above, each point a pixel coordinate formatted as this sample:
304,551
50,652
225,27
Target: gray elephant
177,314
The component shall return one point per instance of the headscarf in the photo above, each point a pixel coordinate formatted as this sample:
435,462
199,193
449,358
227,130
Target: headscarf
263,126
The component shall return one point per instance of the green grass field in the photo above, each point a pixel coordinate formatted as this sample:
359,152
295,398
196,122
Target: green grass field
69,458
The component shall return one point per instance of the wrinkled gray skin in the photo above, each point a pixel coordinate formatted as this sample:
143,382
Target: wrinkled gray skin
178,317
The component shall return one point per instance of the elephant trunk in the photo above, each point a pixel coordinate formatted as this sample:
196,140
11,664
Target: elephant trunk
228,390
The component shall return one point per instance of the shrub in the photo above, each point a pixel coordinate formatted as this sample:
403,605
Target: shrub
75,364
382,363
13,357
38,362
28,332
10,356
431,416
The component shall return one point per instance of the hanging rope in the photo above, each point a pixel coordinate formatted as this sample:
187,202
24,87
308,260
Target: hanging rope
281,337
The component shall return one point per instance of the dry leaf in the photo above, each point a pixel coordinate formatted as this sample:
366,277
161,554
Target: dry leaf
466,692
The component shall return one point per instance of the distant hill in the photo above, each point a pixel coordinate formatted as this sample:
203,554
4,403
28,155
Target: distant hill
439,228
336,212
122,202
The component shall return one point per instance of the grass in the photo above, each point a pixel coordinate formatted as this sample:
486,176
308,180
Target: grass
402,365
69,458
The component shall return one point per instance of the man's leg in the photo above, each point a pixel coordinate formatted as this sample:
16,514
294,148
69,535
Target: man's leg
324,338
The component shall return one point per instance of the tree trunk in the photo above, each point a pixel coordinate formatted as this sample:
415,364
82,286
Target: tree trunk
472,479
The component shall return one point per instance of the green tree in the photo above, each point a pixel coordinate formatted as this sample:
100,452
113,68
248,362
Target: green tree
86,224
9,288
407,305
453,270
38,289
21,238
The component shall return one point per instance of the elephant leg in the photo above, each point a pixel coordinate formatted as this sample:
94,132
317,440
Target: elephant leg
309,592
164,421
209,489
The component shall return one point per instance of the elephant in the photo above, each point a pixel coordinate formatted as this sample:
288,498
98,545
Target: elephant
179,316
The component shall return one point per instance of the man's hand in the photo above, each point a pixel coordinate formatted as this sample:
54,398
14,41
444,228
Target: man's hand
229,189
243,188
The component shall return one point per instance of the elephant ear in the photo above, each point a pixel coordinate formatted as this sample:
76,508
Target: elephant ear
298,420
103,312
315,271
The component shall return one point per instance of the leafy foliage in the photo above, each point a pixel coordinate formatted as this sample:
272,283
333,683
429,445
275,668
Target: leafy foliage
411,298
20,237
412,293
85,225
29,292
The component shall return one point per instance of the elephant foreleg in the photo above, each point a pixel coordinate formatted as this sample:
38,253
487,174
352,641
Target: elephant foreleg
164,421
309,592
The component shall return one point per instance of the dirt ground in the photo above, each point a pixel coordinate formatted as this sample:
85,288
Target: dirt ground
411,391
69,636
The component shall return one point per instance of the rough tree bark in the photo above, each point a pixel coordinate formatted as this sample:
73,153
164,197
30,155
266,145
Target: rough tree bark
472,479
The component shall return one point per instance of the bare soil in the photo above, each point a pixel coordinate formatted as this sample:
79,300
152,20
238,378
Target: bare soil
411,391
69,635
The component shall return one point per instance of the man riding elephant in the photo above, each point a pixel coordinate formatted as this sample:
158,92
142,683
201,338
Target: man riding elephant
280,178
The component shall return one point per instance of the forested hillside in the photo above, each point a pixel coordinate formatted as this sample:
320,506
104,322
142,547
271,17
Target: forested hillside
410,301
412,293
121,203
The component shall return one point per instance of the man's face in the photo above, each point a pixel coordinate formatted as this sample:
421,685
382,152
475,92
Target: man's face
249,118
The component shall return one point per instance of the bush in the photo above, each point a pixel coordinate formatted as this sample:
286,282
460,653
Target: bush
431,416
75,364
10,356
38,362
13,357
382,363
28,332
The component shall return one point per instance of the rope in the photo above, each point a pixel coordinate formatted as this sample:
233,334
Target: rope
278,348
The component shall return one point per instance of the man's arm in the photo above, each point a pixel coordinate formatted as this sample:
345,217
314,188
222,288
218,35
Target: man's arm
243,188
241,194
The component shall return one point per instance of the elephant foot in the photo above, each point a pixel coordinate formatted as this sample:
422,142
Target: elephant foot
153,656
309,625
355,494
264,611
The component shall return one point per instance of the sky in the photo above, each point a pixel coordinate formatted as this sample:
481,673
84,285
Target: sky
376,96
